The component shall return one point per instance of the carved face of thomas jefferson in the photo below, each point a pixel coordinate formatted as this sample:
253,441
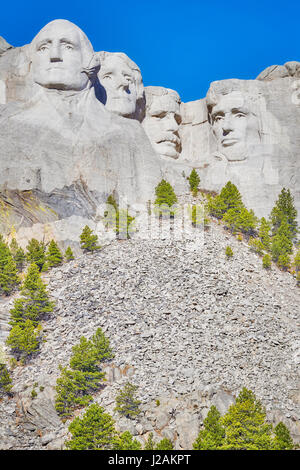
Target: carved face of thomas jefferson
58,55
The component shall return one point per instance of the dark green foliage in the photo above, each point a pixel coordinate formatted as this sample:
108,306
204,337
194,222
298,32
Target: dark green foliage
298,279
281,241
94,431
266,261
34,302
284,262
54,255
126,442
282,439
198,215
194,181
9,278
245,424
36,253
88,241
264,234
256,246
18,254
229,198
165,198
24,339
213,434
164,444
5,379
284,209
126,402
69,254
149,444
74,387
239,219
229,252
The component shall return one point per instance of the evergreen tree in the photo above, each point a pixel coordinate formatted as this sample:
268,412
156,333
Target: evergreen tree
266,261
34,302
126,442
264,234
164,444
88,241
284,262
281,241
213,434
245,425
5,380
150,444
36,253
126,402
229,252
54,255
69,254
20,258
284,209
282,439
101,344
298,278
118,219
165,198
5,253
24,339
256,246
9,278
194,181
94,431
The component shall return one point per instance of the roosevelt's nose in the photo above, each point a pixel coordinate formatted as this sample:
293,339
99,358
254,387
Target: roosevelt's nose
55,53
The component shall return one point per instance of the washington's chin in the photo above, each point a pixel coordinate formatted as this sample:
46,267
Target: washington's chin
167,149
121,106
59,82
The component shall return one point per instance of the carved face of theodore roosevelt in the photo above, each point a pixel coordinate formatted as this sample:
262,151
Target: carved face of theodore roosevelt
59,53
162,121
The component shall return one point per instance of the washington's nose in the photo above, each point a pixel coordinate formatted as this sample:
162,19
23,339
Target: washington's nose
55,54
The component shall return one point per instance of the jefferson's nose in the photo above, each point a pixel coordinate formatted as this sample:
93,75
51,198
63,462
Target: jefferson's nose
55,54
122,81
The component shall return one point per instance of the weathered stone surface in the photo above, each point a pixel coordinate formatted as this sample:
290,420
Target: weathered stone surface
4,46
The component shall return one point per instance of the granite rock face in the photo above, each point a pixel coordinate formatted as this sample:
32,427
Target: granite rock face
60,136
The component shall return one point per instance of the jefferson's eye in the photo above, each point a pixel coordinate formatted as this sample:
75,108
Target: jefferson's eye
106,76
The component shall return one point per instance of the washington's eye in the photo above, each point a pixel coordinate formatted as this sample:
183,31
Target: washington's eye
68,47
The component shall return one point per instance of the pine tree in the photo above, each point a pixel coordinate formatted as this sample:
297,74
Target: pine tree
149,444
5,380
54,255
213,434
229,252
36,253
126,442
245,425
34,302
88,241
101,344
164,444
256,246
165,198
20,258
298,279
284,262
69,254
126,402
264,234
194,181
282,439
284,209
229,198
266,261
24,339
9,278
94,431
281,241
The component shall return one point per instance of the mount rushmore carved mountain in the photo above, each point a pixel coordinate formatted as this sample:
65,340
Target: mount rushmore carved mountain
77,125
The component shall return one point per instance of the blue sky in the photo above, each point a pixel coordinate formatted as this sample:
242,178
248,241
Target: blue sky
183,45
